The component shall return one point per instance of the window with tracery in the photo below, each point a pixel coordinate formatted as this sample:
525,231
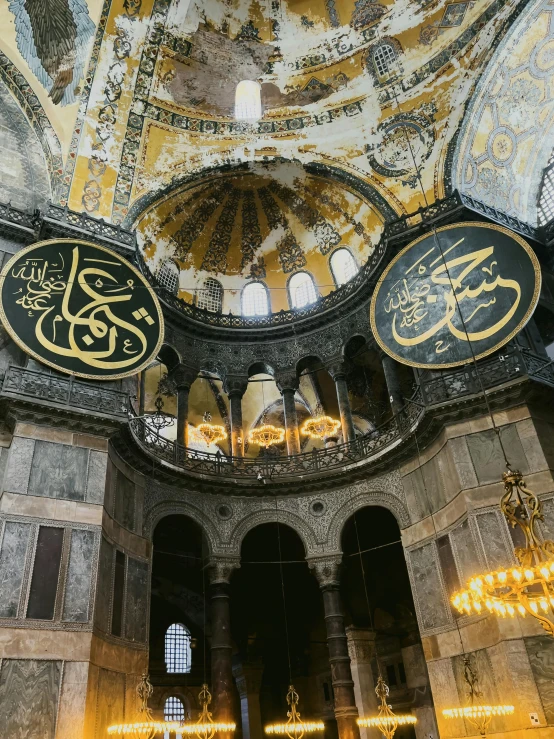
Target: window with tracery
254,300
343,266
384,59
177,649
168,277
174,709
248,101
210,296
302,290
546,193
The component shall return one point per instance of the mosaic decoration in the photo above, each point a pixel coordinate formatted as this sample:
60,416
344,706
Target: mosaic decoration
291,255
251,233
454,14
366,12
194,225
215,259
249,32
54,41
325,235
330,203
257,270
332,11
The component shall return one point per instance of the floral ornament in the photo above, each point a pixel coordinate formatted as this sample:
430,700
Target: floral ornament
521,98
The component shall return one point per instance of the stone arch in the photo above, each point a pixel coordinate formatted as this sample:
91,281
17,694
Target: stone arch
274,515
260,368
182,508
363,500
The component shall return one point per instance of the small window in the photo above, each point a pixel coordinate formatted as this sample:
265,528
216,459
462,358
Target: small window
391,676
254,300
210,296
168,277
343,266
384,58
402,673
174,709
248,101
301,290
177,649
546,196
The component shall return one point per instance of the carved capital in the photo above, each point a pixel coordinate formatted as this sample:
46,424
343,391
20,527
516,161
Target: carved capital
235,385
337,370
361,644
220,569
326,569
183,376
287,381
248,679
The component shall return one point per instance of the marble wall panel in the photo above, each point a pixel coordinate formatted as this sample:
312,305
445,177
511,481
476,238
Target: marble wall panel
428,587
541,657
71,716
547,525
481,665
104,586
415,500
137,600
96,477
492,532
59,471
515,680
445,694
466,551
29,692
462,459
124,510
77,589
19,465
487,456
110,706
12,564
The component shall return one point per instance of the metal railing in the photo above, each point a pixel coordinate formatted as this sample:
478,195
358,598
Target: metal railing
64,391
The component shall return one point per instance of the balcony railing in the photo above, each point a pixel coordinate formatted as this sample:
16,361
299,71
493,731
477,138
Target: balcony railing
41,387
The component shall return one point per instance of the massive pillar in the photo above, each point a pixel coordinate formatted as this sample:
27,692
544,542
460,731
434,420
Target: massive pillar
361,648
288,385
326,570
338,373
390,369
235,387
220,570
249,680
183,377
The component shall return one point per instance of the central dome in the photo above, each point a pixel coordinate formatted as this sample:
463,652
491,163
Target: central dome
265,223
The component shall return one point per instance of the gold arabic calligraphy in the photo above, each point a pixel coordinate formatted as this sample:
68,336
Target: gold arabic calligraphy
95,320
410,298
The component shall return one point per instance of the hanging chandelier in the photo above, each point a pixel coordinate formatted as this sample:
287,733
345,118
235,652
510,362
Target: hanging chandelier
147,728
320,427
529,588
267,435
386,721
206,727
208,432
160,419
294,727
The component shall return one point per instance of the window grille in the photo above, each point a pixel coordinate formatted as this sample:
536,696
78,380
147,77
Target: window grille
248,101
302,290
546,196
254,300
174,709
343,266
210,296
168,277
177,649
384,57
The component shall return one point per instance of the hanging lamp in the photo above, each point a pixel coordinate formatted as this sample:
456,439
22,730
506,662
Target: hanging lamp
206,727
320,427
266,435
208,432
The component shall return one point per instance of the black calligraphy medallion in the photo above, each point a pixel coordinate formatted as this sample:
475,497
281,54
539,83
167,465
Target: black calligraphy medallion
81,309
458,294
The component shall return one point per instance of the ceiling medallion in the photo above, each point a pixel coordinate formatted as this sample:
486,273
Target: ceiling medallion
386,721
321,427
267,435
208,432
529,588
294,727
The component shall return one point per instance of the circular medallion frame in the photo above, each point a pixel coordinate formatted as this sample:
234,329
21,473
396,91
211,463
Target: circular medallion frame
155,309
473,355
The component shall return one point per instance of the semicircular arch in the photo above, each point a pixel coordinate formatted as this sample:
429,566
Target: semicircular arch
272,515
182,508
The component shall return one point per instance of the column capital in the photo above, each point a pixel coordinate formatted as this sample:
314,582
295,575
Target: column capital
337,370
183,376
326,569
361,644
287,381
235,385
221,568
248,678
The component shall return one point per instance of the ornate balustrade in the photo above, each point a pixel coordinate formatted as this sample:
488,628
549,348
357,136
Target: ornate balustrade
41,387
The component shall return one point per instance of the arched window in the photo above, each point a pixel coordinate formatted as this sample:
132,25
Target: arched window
210,296
248,101
546,193
254,300
174,709
168,277
177,648
343,266
301,290
384,58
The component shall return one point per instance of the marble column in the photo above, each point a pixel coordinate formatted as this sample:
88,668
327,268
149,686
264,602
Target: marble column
326,570
142,392
390,369
219,571
235,387
182,378
288,385
248,679
361,648
338,373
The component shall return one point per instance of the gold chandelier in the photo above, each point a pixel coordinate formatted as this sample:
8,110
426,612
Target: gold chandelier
529,588
147,728
320,427
267,435
206,727
386,721
294,727
209,432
